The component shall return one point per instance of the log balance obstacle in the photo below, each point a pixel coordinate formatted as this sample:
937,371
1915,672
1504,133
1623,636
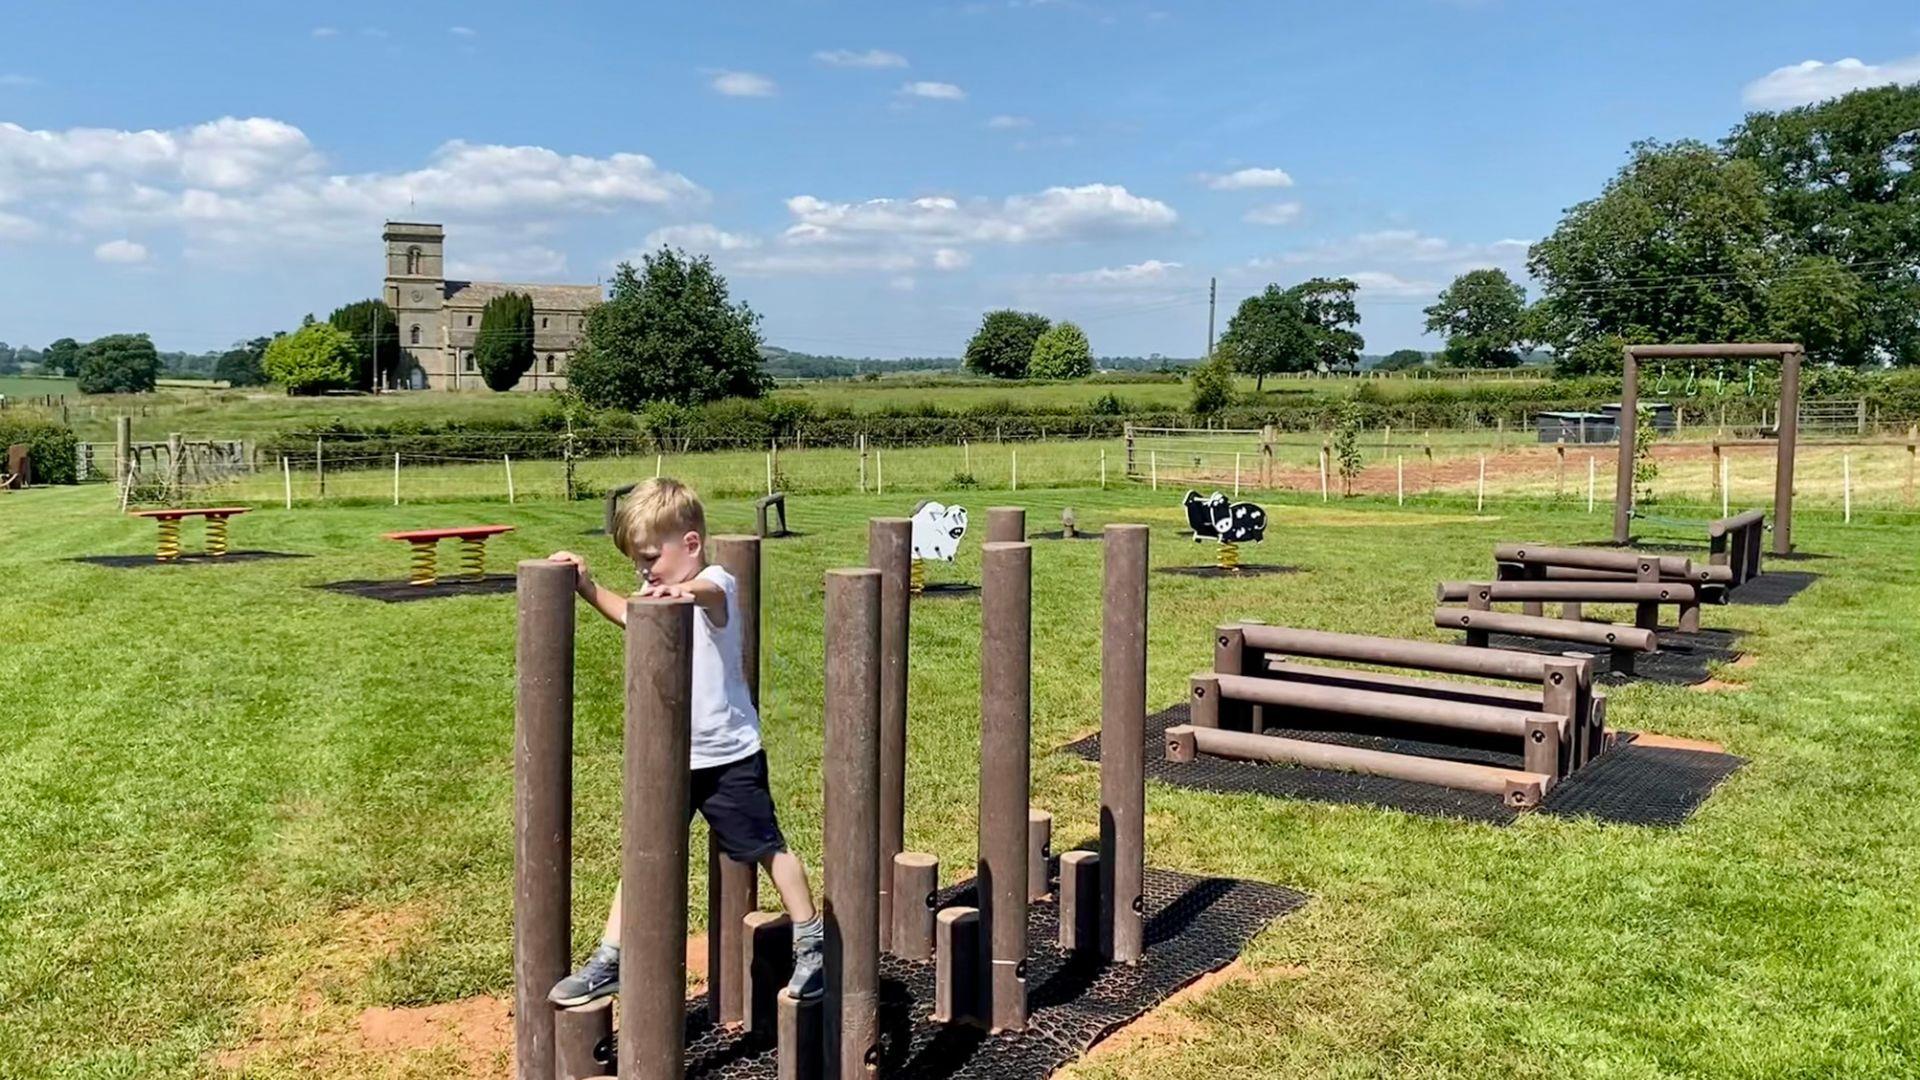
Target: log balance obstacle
872,891
1556,723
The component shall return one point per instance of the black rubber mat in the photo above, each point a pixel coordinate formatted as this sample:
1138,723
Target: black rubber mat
399,591
1058,534
1772,588
135,562
948,590
1193,926
1243,570
1683,659
1630,784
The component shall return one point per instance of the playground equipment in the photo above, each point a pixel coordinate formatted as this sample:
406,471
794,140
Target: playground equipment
1555,724
1790,356
1229,523
425,543
1645,596
19,470
1735,542
168,549
937,530
982,951
775,501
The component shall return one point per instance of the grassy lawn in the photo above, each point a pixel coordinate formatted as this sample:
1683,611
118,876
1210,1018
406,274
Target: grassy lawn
242,822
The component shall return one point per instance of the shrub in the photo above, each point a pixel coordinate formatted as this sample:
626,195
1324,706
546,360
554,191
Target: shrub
1213,384
1061,353
51,448
315,358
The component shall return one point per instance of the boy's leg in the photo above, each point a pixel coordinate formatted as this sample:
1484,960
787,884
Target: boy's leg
600,975
739,811
789,877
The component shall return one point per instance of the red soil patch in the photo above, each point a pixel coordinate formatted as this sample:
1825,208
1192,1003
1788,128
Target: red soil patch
476,1032
1165,1025
1718,686
1669,742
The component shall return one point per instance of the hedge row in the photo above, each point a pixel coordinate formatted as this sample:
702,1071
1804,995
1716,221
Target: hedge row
51,448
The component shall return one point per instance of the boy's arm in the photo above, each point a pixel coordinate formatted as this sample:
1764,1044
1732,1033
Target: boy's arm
605,601
711,598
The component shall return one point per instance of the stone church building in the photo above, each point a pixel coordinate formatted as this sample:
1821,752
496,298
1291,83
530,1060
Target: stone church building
440,319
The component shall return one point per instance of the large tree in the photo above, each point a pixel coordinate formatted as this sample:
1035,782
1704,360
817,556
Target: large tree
1402,360
1843,180
1061,353
1269,334
240,365
668,333
376,340
313,359
504,348
119,364
62,357
1482,315
1003,345
1679,247
1331,319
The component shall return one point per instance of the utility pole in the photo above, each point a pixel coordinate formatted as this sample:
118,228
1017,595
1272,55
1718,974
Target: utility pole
1213,291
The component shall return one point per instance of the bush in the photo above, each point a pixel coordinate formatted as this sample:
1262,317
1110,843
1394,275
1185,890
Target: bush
1061,353
1213,384
119,364
668,333
313,359
51,448
1003,345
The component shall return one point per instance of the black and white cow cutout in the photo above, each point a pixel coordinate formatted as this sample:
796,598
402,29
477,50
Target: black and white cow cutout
1217,518
937,530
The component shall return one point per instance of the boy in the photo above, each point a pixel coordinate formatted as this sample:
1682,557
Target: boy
662,528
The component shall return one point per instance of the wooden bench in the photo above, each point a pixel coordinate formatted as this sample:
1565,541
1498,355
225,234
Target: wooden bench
169,523
1556,722
425,543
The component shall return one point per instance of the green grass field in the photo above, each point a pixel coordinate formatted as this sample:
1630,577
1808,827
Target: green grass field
252,829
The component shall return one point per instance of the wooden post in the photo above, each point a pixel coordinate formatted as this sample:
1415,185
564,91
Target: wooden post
507,460
1560,470
1589,483
286,476
1846,488
1480,492
1323,472
319,469
396,478
1400,479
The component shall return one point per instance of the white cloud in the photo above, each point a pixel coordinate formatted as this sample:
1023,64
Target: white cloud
239,182
1403,245
121,251
1150,272
1249,179
463,31
1814,80
699,238
325,32
935,91
951,259
15,79
823,262
872,58
1382,283
1280,213
15,227
1009,123
528,262
743,84
1058,213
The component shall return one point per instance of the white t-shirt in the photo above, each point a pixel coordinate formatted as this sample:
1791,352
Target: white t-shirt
726,726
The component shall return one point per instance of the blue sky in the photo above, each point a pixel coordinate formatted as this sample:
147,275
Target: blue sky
871,176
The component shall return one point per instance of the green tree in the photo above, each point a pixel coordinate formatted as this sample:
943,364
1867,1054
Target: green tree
240,365
376,340
1269,334
1842,178
1821,305
119,364
1346,444
1679,247
1402,360
62,357
1004,343
1212,382
1061,353
313,359
1331,316
504,348
668,333
1482,316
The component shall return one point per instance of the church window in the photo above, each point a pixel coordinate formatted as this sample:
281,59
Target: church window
543,322
414,335
469,361
413,259
549,363
469,320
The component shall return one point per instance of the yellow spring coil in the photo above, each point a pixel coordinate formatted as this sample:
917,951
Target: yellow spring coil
473,557
216,535
917,580
169,539
423,570
1228,556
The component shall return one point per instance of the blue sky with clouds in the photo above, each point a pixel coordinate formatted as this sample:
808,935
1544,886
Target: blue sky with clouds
871,176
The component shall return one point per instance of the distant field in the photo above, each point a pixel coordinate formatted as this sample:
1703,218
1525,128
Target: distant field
28,385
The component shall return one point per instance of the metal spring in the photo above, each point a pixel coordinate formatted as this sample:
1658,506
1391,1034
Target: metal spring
1228,557
423,571
169,539
216,535
917,579
473,557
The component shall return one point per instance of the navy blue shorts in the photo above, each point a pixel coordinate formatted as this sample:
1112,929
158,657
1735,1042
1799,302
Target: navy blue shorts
738,807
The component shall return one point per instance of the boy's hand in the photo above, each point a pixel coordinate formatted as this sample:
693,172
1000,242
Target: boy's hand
667,592
582,580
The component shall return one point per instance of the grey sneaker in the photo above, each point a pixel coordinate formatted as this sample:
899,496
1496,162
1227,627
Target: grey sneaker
597,978
809,959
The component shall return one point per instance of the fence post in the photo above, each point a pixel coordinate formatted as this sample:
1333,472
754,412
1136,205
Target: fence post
566,456
1719,473
1153,469
658,461
1480,491
1266,456
1103,468
769,472
1013,469
507,460
319,467
879,474
1400,479
1126,431
1589,483
1846,488
396,478
1236,474
860,442
1913,442
966,456
286,475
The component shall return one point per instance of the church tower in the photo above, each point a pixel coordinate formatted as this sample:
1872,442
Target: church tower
416,291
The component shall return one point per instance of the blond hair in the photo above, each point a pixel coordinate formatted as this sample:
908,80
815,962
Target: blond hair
657,509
